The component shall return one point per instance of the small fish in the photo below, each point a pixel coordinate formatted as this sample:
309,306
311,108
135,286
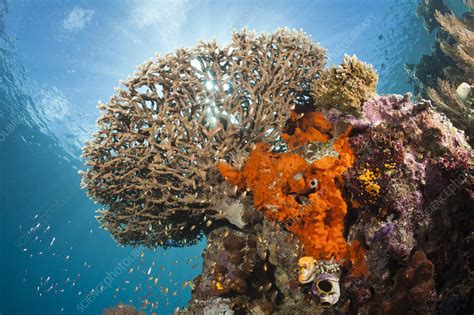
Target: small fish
130,270
35,216
149,271
52,241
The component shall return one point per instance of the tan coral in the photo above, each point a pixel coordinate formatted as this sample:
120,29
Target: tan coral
152,162
345,87
459,47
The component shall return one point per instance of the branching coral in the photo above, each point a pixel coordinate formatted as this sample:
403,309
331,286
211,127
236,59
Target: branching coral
152,162
426,10
446,77
345,87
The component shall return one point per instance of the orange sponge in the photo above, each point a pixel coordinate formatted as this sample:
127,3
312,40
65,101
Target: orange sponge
274,179
312,128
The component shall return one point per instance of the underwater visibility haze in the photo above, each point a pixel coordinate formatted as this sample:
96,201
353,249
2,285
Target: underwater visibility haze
236,157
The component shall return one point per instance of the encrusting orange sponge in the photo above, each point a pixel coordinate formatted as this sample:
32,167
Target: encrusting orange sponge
313,128
275,179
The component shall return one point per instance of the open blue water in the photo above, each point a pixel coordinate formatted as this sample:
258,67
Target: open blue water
58,58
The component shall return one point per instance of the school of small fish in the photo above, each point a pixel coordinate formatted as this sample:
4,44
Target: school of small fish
141,285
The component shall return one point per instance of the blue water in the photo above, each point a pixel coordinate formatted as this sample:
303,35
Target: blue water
58,58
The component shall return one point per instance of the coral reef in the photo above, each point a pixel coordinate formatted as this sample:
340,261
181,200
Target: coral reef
421,167
315,194
152,162
412,169
446,77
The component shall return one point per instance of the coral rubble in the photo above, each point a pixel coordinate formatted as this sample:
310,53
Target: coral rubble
313,191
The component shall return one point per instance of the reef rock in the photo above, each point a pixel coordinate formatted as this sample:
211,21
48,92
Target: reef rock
410,203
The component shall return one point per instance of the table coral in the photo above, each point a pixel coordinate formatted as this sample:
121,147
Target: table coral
152,162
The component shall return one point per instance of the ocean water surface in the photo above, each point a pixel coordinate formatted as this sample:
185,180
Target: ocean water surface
59,58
